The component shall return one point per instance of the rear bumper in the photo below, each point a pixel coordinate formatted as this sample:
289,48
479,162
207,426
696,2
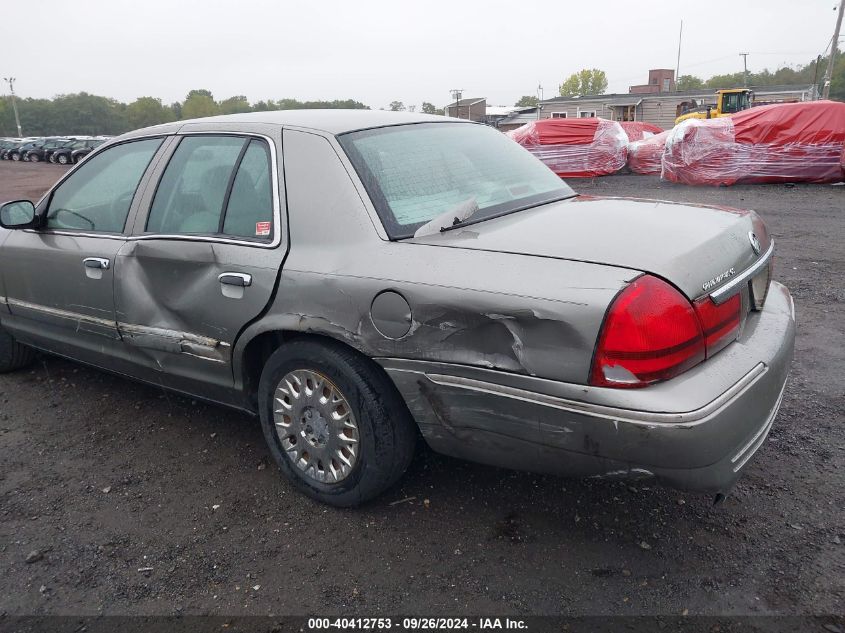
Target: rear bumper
697,431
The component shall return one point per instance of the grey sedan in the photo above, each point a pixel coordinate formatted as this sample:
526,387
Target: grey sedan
357,279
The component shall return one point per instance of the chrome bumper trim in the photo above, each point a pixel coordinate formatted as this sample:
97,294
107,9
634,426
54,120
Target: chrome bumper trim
747,451
642,418
723,293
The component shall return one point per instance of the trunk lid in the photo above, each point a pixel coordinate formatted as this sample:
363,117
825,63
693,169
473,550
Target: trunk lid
696,247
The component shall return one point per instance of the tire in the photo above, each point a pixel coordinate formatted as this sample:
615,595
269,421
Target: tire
33,158
13,355
16,157
386,433
62,159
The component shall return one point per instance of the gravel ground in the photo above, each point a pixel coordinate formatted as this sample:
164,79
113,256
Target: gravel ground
120,498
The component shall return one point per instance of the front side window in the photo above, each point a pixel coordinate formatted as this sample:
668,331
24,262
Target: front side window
215,185
97,196
414,173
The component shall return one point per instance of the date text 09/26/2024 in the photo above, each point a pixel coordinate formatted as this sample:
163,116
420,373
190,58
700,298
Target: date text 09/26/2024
416,624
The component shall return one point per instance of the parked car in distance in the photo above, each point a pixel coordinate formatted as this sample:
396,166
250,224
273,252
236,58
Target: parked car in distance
14,151
63,154
358,278
43,150
37,144
79,152
8,143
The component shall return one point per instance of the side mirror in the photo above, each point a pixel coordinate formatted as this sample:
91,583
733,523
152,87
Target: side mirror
19,214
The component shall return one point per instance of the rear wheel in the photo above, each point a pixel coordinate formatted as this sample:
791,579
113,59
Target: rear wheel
13,355
16,156
334,422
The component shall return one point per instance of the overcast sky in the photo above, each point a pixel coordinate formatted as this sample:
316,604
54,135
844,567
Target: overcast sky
376,51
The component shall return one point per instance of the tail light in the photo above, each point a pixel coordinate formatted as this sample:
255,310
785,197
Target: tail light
652,332
720,323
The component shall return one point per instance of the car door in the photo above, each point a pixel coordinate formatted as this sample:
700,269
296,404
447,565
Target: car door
204,260
59,279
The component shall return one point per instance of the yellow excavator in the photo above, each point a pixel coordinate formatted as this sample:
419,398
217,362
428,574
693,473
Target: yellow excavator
728,102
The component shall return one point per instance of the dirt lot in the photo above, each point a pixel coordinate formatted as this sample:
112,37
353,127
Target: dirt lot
138,501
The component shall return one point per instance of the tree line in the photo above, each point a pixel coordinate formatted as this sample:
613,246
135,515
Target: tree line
804,74
84,113
88,114
592,81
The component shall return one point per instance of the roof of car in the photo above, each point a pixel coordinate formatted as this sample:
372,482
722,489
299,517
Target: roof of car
331,121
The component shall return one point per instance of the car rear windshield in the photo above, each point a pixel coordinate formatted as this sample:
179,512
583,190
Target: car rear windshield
413,173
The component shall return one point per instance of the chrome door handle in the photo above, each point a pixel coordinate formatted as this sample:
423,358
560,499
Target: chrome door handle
96,262
235,279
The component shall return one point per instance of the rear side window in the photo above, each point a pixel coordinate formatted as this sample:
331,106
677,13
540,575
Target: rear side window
250,209
215,185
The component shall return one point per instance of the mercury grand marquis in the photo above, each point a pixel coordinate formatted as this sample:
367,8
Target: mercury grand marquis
358,279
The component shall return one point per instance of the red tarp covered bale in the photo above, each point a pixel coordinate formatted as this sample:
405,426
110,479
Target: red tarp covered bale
793,142
639,130
644,157
575,148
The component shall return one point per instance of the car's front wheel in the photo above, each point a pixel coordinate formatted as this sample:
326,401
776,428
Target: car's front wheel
62,159
334,422
32,158
13,355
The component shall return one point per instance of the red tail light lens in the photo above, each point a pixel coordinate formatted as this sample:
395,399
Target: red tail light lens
720,323
650,333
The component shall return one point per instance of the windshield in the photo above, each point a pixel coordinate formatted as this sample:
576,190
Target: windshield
414,173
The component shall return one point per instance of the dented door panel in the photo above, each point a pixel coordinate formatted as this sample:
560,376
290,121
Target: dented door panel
172,310
182,300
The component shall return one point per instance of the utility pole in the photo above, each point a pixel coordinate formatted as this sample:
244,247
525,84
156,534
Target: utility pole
539,98
678,65
11,82
745,69
456,95
816,78
829,74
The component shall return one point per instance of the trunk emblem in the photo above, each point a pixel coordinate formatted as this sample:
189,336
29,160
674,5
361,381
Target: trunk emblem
718,279
755,243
